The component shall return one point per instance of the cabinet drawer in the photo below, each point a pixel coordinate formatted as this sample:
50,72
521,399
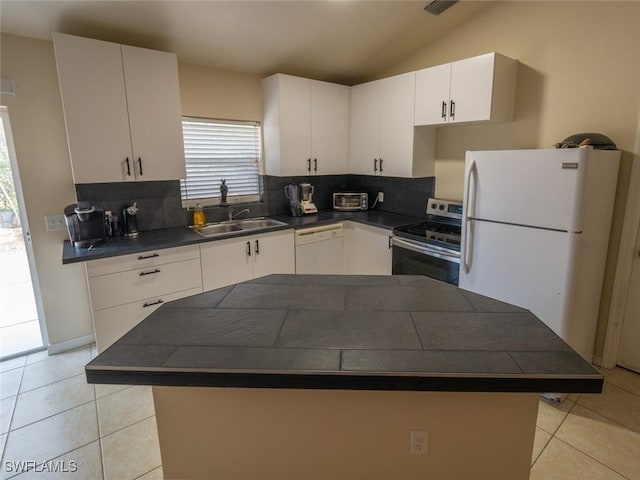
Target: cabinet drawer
112,323
125,287
135,261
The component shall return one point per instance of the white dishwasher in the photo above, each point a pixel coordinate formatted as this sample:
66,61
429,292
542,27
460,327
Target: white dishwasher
319,249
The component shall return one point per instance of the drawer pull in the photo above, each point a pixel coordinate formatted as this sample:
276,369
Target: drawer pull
157,302
142,274
144,257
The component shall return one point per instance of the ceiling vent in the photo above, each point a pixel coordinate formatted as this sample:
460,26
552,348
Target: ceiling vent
438,6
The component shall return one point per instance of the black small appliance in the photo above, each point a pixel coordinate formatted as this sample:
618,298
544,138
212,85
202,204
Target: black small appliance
130,220
85,224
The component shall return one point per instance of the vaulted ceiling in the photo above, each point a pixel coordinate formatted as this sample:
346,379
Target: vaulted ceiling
337,40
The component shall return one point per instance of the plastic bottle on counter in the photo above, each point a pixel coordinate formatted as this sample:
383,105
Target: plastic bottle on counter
198,216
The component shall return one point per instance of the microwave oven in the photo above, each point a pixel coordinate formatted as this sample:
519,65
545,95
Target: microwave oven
349,201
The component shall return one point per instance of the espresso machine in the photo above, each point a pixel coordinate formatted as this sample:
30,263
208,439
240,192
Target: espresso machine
85,224
306,198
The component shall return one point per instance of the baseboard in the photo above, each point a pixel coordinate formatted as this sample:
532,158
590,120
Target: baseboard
71,344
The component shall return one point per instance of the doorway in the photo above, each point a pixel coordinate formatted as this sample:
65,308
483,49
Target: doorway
21,320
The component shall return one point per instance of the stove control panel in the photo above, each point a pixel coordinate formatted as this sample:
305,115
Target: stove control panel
444,208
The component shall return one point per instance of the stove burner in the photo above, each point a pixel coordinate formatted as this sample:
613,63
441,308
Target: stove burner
436,230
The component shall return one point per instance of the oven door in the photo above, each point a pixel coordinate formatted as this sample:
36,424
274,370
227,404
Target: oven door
418,258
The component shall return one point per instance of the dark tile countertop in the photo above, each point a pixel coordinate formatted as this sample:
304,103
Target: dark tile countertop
175,237
345,332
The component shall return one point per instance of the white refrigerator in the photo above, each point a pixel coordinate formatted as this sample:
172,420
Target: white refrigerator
536,232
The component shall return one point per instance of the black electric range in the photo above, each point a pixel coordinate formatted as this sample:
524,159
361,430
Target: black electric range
430,247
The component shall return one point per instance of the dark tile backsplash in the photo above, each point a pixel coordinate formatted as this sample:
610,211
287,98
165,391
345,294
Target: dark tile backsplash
161,207
159,202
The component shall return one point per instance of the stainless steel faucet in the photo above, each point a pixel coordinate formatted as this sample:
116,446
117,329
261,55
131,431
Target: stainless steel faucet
231,215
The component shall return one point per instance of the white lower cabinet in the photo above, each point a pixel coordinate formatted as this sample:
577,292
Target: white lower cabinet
112,323
226,262
367,250
125,289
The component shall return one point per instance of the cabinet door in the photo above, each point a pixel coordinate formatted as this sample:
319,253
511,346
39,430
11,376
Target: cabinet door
155,115
397,97
226,262
95,108
295,125
368,251
273,253
112,323
432,95
132,285
142,260
329,128
365,128
471,88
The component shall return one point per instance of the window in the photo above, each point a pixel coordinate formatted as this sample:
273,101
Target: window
216,150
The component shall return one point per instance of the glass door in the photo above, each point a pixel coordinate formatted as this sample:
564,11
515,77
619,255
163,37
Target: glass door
21,320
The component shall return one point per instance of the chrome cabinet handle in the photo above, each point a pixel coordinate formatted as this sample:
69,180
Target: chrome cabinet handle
375,164
144,257
315,164
257,247
142,274
157,302
309,165
249,249
128,167
380,165
444,110
140,165
452,109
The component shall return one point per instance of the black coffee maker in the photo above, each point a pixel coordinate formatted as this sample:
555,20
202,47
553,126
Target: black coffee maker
85,224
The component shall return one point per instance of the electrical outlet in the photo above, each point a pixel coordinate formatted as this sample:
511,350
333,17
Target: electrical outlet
419,443
381,197
54,222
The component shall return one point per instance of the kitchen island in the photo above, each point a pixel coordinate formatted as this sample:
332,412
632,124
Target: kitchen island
314,376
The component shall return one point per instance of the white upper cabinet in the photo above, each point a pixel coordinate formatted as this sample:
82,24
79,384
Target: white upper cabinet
432,95
122,111
329,128
471,90
383,138
364,142
305,126
155,114
397,98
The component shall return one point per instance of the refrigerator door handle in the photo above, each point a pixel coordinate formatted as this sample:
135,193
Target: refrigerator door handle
468,233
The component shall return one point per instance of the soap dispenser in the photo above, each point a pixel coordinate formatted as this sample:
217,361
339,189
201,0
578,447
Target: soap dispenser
198,216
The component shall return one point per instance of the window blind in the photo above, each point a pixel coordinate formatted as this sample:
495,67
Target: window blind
221,149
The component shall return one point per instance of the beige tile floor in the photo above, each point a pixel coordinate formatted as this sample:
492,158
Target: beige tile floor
48,413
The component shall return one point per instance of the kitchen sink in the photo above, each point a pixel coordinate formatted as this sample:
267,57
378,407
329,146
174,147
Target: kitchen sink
216,229
252,223
224,228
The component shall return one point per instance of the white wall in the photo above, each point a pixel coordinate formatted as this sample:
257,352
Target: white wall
45,173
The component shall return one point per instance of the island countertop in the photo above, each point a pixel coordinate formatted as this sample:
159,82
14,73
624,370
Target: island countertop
406,333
